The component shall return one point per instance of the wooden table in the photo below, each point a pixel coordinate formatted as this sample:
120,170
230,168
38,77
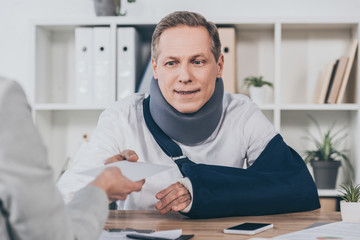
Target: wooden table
213,228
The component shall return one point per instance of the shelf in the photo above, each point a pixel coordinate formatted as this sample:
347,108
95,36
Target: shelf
325,25
50,107
255,55
267,106
328,192
311,107
320,107
63,132
260,22
51,23
296,126
288,52
306,49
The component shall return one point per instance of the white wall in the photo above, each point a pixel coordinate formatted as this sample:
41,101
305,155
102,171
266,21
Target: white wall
16,14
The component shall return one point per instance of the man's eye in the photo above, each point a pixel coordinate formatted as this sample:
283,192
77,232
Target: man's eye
172,63
198,62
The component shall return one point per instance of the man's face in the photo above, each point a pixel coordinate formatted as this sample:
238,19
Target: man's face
186,69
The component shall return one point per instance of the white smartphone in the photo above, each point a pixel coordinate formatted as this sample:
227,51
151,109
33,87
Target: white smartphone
248,228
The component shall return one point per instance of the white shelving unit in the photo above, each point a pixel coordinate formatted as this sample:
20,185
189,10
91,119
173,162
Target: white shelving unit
289,53
328,192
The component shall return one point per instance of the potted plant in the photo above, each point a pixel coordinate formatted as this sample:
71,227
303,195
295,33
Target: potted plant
255,86
109,7
350,204
325,159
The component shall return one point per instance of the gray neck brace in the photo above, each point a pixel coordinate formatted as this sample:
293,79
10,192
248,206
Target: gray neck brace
187,128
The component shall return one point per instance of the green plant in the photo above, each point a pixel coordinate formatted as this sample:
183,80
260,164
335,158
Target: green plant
256,82
325,147
349,193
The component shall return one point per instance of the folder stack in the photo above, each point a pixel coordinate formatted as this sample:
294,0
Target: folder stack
336,81
94,84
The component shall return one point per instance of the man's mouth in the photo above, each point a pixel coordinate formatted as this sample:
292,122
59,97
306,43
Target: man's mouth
187,92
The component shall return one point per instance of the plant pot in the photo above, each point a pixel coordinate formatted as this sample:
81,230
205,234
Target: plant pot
350,211
325,173
105,7
257,94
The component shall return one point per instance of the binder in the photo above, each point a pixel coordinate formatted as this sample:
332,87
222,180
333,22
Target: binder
144,85
84,65
339,75
351,54
333,72
228,48
104,87
323,84
127,60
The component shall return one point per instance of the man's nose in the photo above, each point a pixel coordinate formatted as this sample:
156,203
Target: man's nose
185,75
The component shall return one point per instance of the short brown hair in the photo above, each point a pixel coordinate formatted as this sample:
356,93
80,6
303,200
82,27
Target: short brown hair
190,19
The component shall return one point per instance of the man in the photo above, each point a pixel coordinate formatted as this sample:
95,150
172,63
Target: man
30,205
190,123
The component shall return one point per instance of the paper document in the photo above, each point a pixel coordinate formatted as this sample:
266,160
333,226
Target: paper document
336,230
134,171
170,234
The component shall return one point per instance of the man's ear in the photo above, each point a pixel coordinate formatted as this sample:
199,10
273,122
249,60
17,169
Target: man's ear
220,65
154,66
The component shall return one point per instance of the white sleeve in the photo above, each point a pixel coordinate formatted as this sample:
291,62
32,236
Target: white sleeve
104,143
187,183
258,131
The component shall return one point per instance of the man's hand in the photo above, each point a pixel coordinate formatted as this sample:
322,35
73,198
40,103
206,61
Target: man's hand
116,185
127,154
111,180
176,197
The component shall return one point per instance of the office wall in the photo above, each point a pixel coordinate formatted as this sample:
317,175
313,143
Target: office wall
16,14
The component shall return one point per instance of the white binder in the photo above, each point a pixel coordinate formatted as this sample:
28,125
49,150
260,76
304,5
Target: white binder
127,60
144,85
104,87
84,65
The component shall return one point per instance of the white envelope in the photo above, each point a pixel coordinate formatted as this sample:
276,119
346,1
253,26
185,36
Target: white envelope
134,171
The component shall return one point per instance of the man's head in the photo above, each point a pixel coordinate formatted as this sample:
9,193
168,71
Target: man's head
189,19
186,59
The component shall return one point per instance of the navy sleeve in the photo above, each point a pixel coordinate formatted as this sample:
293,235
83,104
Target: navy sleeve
278,182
